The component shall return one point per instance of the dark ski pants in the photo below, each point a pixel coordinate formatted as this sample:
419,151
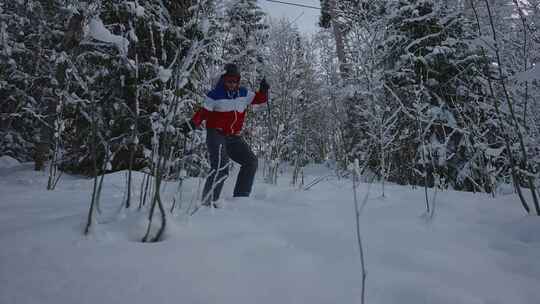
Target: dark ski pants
221,148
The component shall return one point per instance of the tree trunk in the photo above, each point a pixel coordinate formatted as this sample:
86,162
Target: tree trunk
340,40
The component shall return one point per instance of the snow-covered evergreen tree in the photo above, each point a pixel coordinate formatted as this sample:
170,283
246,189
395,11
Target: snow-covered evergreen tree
244,38
31,36
431,71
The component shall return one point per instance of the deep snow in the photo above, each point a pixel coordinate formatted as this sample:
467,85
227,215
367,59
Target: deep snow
281,246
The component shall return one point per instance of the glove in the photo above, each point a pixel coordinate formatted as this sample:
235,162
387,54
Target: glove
187,127
264,86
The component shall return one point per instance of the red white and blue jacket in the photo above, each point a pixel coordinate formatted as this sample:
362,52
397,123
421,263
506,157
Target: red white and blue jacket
225,110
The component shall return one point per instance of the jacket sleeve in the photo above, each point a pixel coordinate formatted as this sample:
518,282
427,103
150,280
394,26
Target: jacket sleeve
259,102
203,113
259,98
200,116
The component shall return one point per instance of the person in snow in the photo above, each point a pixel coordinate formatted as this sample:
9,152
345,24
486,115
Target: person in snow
224,112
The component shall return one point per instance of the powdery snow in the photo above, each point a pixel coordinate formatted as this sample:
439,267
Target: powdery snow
280,246
164,74
136,9
7,162
98,31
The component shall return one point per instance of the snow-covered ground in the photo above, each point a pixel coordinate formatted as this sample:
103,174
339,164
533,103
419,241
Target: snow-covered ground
281,246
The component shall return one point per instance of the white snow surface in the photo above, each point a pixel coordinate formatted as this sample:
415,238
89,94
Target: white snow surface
7,162
282,245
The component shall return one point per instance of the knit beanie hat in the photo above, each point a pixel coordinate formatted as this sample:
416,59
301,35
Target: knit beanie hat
231,72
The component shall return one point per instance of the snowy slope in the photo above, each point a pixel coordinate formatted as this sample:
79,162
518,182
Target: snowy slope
282,246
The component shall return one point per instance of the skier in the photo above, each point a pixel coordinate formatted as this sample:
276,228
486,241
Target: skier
224,111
